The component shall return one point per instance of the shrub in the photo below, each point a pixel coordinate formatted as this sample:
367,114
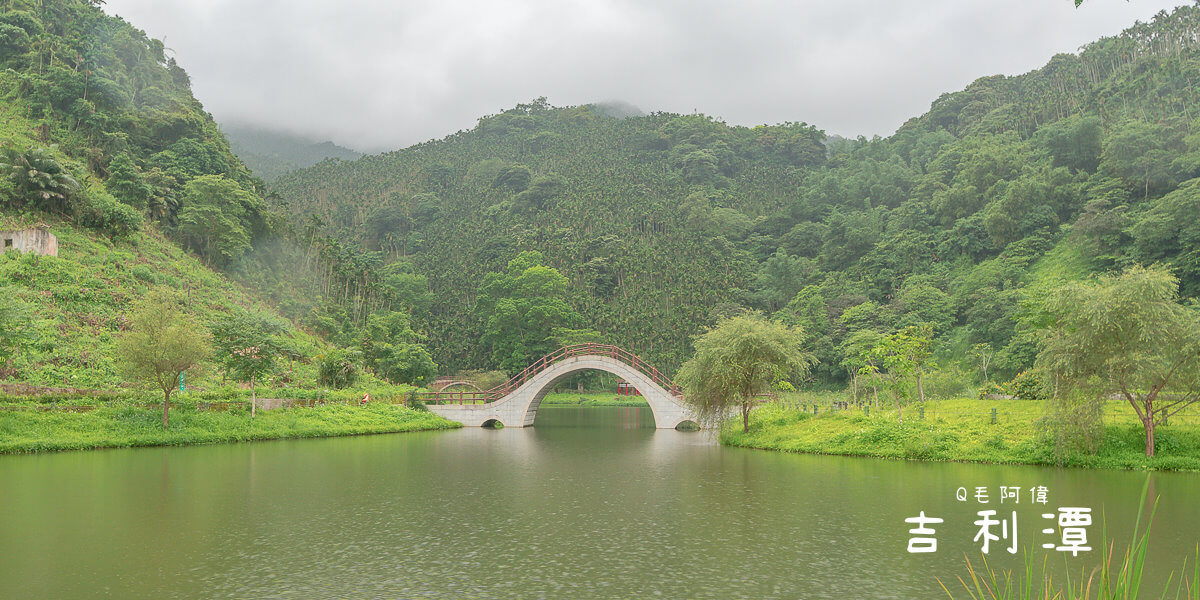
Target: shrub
783,386
992,388
1072,424
101,211
337,369
947,382
1028,385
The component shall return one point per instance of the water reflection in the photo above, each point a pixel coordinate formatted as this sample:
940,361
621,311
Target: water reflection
585,504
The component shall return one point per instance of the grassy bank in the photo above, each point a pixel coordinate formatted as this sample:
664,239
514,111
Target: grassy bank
119,425
592,399
962,430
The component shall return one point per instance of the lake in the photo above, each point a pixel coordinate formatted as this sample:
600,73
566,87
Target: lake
592,502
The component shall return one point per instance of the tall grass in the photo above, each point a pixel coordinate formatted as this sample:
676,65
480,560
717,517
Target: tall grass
1106,581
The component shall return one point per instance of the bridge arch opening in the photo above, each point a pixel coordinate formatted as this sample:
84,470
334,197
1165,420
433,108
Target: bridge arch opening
515,403
687,425
492,424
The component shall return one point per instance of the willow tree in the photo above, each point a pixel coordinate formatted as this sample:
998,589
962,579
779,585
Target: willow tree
1126,336
738,360
161,343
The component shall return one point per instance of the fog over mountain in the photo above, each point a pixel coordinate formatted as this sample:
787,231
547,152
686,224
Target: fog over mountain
379,75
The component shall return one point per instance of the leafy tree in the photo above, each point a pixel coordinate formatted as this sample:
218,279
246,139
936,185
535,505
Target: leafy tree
924,304
126,182
983,353
1170,231
1141,154
391,348
212,220
409,291
12,40
41,181
540,194
520,308
859,358
338,368
904,354
738,360
162,342
1125,335
781,278
15,327
514,178
99,210
1075,142
247,346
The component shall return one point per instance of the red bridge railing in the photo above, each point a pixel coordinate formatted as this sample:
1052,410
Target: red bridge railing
545,362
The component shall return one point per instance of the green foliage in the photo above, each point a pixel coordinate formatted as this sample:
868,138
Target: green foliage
126,182
103,213
122,425
662,223
248,344
1073,424
960,429
162,342
903,355
1028,385
390,347
213,218
520,309
738,360
15,327
1125,335
337,368
41,181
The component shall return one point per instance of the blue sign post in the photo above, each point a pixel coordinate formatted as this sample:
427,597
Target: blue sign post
181,387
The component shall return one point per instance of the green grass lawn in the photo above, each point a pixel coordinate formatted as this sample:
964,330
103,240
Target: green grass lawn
961,430
592,399
125,424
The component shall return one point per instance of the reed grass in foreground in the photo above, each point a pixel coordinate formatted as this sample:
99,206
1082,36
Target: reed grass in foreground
1107,581
119,426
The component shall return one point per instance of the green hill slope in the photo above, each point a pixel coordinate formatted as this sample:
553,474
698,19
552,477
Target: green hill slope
103,142
663,223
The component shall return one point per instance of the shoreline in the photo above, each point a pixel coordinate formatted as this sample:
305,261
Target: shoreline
947,436
135,427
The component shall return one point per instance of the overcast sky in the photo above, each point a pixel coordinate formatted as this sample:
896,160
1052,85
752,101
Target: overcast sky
379,75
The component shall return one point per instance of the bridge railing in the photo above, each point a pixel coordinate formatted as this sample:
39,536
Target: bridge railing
545,362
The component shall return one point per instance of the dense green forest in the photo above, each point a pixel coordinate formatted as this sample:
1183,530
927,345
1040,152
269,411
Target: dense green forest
547,225
663,223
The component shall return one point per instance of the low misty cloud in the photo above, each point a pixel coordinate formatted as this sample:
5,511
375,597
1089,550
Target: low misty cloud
381,75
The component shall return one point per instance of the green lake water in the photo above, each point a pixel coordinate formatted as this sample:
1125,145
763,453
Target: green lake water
590,503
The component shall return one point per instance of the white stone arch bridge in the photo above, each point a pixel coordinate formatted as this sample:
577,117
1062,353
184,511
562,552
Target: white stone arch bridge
514,403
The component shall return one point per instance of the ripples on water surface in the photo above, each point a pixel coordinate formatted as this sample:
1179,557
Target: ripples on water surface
591,503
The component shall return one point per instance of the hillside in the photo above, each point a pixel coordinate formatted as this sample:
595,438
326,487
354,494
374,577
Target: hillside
270,154
663,223
104,144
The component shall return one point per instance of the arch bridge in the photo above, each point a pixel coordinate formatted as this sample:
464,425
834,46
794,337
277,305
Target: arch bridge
514,403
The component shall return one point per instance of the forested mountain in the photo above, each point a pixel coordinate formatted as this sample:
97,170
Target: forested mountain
272,153
661,224
104,145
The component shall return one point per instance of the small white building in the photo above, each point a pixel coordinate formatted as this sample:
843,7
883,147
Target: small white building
38,240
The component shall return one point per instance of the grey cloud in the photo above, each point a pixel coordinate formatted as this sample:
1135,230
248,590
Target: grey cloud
381,75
